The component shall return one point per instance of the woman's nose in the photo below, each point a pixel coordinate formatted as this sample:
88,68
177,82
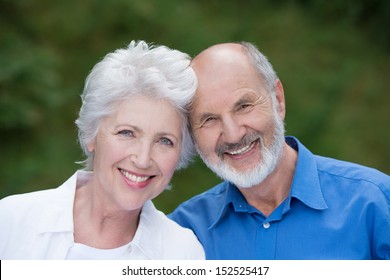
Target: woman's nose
141,156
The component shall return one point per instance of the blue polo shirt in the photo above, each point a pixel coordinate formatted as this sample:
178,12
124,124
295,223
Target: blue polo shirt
335,210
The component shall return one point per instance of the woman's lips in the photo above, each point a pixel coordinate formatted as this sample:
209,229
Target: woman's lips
139,181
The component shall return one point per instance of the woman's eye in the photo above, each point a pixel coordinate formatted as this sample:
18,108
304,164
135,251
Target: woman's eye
126,132
165,141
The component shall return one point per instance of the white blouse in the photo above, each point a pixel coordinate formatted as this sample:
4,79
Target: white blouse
39,225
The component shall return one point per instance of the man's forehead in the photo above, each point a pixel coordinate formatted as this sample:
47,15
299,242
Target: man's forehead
214,104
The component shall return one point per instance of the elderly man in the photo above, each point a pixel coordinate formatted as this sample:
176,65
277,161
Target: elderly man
278,200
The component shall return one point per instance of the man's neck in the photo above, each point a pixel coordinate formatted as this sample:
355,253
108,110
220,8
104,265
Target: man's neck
270,193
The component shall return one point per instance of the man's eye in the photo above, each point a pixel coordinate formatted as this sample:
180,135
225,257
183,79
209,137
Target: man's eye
209,119
125,132
244,106
206,121
166,142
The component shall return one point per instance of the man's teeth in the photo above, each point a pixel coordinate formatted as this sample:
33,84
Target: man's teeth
132,177
242,150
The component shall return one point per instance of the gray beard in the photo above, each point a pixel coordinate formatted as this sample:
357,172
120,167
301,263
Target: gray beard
270,158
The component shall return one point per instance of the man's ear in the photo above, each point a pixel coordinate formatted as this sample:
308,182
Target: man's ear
280,99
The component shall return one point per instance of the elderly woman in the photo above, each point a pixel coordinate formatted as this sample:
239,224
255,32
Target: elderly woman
133,130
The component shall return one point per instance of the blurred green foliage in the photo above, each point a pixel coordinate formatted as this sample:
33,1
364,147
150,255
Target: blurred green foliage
332,57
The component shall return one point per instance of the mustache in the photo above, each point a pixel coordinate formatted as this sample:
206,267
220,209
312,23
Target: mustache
222,148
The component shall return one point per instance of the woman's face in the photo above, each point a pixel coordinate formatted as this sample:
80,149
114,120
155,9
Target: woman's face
136,152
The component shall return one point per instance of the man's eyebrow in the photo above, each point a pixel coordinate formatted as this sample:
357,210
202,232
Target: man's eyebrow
243,101
249,97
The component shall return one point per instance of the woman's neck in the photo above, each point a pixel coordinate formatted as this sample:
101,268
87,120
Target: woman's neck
100,227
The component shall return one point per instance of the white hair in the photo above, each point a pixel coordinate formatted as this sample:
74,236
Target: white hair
139,69
262,66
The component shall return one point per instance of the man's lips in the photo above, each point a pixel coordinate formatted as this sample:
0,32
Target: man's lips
247,144
242,150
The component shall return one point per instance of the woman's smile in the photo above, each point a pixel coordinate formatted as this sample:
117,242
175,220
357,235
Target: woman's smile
136,180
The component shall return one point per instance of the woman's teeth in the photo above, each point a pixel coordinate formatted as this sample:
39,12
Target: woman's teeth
134,178
242,150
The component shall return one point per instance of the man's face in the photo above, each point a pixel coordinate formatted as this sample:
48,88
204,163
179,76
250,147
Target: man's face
237,128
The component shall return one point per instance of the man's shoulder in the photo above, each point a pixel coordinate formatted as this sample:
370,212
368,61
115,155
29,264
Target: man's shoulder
349,170
353,174
211,195
202,208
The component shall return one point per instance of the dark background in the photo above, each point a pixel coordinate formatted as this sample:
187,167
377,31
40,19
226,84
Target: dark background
333,58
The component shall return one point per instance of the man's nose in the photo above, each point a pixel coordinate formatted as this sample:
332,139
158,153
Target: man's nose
232,130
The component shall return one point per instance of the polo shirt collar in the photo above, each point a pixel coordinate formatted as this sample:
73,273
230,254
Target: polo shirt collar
305,186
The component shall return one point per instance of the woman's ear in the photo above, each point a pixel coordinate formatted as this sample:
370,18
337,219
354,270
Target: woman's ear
91,146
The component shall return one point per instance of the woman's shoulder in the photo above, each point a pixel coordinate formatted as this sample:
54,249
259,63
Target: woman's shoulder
26,204
39,198
25,198
159,220
178,242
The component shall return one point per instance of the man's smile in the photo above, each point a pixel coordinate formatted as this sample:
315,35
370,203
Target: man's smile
242,150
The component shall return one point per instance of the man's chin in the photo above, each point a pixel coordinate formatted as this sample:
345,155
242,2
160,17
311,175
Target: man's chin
241,179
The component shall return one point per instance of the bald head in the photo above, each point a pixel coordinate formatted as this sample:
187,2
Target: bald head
219,57
219,51
242,56
219,64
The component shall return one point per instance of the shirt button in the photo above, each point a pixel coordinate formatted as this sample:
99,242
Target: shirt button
129,249
266,225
